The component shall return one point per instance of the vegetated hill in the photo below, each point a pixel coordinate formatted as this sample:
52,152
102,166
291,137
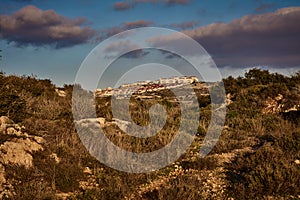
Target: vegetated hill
256,157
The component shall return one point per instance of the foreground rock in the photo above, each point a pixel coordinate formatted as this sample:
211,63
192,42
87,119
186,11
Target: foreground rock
16,147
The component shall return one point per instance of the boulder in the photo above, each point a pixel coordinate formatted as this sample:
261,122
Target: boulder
39,140
13,131
18,151
4,120
2,177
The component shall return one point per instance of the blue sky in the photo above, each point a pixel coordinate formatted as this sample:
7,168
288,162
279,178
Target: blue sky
79,25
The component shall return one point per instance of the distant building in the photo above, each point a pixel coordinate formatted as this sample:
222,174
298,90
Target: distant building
183,80
127,89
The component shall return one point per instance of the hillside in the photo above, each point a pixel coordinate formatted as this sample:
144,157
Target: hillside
257,155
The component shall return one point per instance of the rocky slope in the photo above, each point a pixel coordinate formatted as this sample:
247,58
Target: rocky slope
256,157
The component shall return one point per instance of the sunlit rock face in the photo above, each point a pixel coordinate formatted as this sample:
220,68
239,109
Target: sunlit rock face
16,147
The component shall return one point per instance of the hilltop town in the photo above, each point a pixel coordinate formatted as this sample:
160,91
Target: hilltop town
146,89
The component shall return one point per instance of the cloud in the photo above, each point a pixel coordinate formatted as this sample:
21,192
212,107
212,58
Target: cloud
184,25
260,39
264,7
122,46
105,33
180,2
168,55
119,6
202,12
136,24
129,4
111,31
32,26
136,53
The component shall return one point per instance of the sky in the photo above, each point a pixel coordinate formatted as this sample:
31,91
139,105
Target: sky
52,38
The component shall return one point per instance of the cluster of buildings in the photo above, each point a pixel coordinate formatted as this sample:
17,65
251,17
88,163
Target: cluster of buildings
140,87
178,80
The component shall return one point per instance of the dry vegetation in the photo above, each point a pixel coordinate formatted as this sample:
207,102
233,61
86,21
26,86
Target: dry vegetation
256,157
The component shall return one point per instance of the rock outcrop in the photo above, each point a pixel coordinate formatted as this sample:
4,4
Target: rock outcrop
16,147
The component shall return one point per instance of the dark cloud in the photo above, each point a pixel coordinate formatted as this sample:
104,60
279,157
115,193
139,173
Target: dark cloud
136,24
261,39
264,7
119,6
184,25
32,26
105,33
112,31
129,4
122,46
180,2
169,55
202,12
136,54
116,47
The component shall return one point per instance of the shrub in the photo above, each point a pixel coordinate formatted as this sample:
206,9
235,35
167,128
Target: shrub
13,106
27,183
270,171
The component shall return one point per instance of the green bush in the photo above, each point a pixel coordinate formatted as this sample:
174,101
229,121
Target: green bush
27,183
269,171
13,106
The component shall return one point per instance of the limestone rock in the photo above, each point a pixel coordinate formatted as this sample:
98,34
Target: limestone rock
3,123
87,170
4,120
55,157
60,93
17,148
13,131
39,140
101,120
18,151
2,177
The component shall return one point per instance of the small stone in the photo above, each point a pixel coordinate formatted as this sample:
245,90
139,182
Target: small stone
55,157
4,120
87,170
39,140
12,131
17,127
101,120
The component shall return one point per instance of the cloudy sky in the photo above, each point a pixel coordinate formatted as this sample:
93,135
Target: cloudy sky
51,38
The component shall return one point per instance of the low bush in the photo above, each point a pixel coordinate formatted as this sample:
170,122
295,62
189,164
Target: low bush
269,171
